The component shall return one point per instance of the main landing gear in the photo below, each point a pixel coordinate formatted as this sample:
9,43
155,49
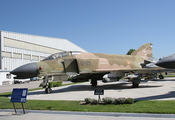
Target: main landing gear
161,76
94,82
135,84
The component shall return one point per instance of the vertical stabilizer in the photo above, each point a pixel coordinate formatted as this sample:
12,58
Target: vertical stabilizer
144,51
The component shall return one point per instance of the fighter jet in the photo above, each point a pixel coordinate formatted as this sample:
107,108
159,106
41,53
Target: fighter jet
94,66
167,62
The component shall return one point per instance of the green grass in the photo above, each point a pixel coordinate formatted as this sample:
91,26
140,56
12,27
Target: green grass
35,89
161,107
169,75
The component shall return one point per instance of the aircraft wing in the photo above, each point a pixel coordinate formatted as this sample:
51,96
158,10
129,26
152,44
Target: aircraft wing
129,69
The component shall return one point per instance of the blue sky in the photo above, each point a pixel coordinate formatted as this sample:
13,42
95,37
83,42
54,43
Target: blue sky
99,26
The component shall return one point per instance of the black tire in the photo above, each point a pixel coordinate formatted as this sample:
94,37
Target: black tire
48,90
135,85
74,80
161,77
94,82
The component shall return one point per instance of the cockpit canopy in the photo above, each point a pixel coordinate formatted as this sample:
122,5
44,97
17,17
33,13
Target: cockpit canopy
61,54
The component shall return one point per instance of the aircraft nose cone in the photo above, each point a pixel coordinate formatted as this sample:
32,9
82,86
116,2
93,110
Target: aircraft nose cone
29,70
167,62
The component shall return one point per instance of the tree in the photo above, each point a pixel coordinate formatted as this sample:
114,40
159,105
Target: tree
130,51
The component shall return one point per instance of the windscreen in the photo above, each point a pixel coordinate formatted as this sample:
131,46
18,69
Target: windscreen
55,56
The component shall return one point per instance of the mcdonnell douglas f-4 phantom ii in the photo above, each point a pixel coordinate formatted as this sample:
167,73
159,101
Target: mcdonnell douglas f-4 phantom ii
94,66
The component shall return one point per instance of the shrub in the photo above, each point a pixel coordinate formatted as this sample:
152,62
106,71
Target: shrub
55,84
52,84
129,101
91,101
70,78
94,102
108,100
58,83
120,101
41,85
88,100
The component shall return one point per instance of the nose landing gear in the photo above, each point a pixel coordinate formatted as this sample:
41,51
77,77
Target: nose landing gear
46,83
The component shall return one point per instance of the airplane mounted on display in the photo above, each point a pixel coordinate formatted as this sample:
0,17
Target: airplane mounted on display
94,66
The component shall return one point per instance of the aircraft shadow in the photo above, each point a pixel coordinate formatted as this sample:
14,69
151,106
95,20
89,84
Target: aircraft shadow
163,80
164,96
110,86
82,87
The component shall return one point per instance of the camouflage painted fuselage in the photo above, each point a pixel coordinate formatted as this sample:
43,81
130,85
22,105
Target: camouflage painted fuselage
90,62
93,65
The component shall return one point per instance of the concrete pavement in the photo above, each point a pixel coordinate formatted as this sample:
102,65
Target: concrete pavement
30,85
9,88
151,90
60,115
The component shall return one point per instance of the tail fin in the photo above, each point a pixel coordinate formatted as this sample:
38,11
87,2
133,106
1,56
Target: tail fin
144,51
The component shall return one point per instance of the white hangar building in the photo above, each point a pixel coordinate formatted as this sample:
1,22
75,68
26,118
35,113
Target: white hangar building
18,49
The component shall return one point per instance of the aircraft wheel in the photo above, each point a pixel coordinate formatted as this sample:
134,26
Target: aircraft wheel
94,82
74,80
48,90
135,84
161,77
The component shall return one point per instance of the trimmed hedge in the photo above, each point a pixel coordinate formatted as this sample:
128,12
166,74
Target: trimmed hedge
52,84
55,84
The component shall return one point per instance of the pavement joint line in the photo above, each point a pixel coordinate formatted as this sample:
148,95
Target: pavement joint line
92,113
